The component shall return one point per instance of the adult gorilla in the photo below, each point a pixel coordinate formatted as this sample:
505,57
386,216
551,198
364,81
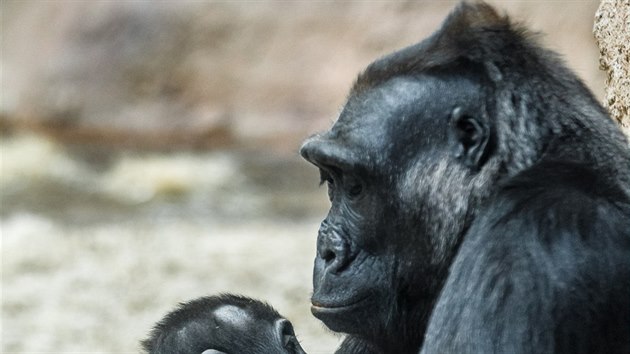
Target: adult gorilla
480,202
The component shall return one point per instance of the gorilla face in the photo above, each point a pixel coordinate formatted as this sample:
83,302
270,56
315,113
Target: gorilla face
389,227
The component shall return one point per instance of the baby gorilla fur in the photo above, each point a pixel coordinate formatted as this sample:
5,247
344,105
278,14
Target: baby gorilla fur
224,324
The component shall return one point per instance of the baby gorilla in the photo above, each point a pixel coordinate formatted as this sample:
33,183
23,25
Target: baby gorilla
225,324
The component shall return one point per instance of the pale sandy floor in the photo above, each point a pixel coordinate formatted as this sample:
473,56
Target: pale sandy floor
100,288
97,286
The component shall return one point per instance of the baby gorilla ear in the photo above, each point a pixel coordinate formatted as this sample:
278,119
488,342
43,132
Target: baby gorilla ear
286,336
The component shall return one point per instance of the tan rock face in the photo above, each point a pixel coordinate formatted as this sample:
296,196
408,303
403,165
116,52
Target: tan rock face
612,31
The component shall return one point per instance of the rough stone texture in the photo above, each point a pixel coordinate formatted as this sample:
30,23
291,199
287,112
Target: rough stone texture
208,74
612,31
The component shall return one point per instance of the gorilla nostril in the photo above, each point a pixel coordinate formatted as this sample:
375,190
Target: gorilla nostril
328,256
333,251
335,256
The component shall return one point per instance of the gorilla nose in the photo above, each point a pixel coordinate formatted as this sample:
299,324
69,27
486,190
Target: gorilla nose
334,252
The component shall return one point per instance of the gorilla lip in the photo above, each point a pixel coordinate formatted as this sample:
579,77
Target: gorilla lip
318,306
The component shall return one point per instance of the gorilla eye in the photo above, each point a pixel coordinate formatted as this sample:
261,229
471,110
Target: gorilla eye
355,190
330,183
324,177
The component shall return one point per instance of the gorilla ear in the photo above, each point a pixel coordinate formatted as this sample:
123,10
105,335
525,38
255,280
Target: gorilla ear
471,136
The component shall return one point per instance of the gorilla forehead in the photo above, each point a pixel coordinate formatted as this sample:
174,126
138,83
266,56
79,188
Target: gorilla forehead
377,107
410,107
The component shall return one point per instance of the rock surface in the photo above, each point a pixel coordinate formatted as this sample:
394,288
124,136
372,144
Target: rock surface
612,31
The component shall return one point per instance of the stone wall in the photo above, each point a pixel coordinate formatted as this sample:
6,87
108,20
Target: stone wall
612,31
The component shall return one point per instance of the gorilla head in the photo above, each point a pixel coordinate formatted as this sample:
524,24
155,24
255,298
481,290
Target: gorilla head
423,140
223,324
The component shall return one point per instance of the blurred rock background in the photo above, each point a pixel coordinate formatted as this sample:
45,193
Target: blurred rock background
149,151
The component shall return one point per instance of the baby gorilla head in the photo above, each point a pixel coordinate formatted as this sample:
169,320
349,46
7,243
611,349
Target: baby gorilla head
225,324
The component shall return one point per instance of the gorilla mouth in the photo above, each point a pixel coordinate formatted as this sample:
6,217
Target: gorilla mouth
317,306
